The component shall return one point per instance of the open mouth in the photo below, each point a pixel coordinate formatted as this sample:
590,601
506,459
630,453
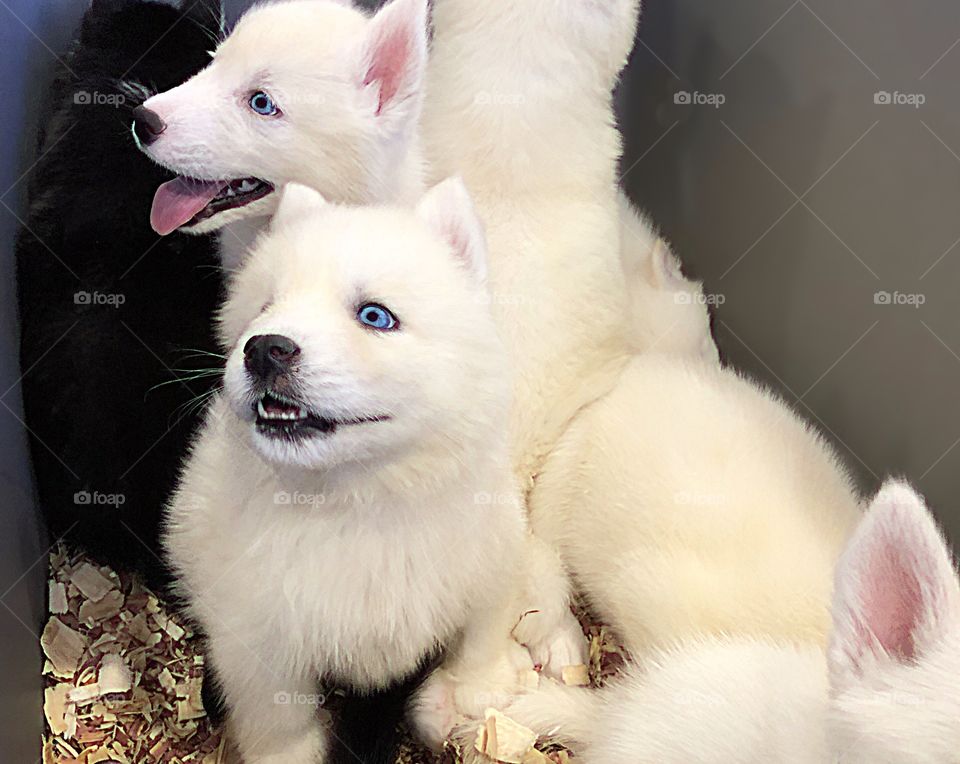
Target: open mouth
284,418
184,202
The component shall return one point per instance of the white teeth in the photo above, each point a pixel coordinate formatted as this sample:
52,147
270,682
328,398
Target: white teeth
247,186
280,415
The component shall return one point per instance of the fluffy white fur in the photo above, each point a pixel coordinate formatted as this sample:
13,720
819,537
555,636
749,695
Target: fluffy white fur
408,531
887,694
667,309
688,500
519,103
349,88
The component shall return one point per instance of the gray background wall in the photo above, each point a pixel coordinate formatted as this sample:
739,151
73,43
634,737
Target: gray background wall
797,200
24,65
801,197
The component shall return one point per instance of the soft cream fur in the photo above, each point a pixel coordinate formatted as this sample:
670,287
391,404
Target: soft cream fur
667,310
408,532
519,103
689,500
887,693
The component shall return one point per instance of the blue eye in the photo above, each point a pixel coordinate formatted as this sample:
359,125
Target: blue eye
263,104
376,317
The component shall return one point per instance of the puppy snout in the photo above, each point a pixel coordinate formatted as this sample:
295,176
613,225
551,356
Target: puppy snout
267,356
147,125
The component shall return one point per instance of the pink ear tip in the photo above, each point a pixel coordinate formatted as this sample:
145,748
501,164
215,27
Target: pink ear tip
898,507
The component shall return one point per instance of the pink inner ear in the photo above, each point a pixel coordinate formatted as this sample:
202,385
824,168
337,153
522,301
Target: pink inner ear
392,55
892,600
458,238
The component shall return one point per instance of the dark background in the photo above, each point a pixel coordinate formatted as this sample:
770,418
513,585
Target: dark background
797,200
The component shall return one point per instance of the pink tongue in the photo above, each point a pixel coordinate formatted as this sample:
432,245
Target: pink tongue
178,200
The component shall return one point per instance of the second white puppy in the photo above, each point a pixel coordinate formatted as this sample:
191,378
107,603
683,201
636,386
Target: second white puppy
349,506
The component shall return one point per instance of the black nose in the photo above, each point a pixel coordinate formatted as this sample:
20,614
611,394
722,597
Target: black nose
147,125
268,355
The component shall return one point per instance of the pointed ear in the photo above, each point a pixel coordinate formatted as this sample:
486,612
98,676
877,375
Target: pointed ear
297,202
896,592
667,272
393,60
449,212
208,14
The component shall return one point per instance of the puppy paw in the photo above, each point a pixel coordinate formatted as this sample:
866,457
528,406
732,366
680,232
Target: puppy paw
308,748
563,645
433,710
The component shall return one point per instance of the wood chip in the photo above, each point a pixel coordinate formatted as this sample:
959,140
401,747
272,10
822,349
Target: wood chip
63,646
139,627
114,675
113,658
502,739
91,583
166,679
99,756
58,598
175,631
49,753
105,608
575,676
85,694
191,707
533,756
55,707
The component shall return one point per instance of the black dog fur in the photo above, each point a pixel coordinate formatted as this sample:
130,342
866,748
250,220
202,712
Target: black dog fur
99,424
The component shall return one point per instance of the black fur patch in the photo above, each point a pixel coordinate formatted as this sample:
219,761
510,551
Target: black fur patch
107,308
367,725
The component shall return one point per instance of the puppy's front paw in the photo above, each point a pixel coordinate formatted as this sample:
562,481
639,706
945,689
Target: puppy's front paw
554,649
308,748
433,710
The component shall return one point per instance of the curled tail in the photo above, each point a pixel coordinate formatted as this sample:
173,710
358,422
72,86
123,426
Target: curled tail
559,714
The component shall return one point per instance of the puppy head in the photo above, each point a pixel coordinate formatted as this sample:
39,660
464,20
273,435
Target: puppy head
894,656
361,335
306,91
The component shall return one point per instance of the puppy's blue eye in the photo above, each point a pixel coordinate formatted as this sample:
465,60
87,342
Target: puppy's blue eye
376,317
263,104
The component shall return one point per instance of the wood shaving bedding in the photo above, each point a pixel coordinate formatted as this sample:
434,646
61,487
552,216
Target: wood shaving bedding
123,677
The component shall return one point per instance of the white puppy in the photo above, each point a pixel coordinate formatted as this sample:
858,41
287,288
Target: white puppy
885,693
349,506
307,91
